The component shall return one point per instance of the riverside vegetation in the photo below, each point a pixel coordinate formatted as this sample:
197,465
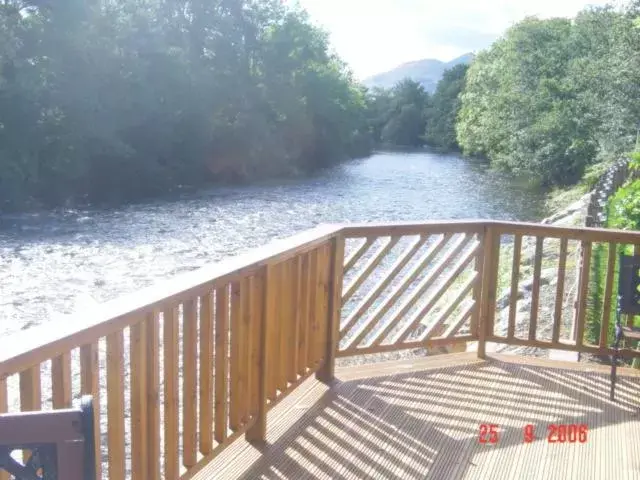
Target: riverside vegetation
115,101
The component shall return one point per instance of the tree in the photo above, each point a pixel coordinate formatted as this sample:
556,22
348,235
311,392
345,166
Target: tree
554,96
443,108
396,117
118,100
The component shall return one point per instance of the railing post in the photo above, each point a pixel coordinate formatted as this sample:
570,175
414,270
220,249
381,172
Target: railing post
491,250
327,371
258,432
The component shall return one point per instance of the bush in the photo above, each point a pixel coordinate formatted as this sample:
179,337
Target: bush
624,207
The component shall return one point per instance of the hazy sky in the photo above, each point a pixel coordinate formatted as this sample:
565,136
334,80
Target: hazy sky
376,35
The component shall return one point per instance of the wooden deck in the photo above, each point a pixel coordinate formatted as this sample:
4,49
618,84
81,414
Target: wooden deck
421,419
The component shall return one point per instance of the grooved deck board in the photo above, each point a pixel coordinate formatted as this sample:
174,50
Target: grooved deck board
420,419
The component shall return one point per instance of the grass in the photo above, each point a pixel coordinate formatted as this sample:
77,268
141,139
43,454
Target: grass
560,198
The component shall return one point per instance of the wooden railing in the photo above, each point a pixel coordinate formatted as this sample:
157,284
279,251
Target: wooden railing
181,370
569,253
411,286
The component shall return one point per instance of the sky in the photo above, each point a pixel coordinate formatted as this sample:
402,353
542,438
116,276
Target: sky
374,36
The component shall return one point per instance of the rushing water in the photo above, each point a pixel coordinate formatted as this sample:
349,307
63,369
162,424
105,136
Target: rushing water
58,262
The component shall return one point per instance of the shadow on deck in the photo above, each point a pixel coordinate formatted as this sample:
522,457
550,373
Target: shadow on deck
421,419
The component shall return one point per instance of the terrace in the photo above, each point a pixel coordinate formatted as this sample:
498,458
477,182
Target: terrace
354,351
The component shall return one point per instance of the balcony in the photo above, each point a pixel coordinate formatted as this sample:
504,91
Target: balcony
353,351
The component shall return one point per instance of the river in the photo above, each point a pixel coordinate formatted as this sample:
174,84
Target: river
58,262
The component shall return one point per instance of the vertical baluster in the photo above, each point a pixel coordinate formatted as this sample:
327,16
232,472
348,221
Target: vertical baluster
321,311
30,392
153,394
488,296
264,310
333,258
30,395
138,378
303,308
273,330
90,385
285,320
206,373
256,327
583,289
189,383
221,363
246,349
61,381
535,289
515,280
322,306
312,334
292,373
557,316
236,363
115,405
171,393
608,294
4,408
477,289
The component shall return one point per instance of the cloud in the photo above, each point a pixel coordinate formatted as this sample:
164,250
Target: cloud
374,36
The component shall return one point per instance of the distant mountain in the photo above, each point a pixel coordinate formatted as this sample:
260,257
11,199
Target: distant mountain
427,72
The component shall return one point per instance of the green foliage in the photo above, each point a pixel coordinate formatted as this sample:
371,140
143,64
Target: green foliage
552,97
634,162
396,116
593,173
624,207
117,100
407,116
127,98
559,198
443,109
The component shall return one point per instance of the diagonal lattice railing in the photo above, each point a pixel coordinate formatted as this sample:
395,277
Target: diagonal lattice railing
416,286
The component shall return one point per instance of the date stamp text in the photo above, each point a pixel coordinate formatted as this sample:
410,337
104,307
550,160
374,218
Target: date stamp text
489,433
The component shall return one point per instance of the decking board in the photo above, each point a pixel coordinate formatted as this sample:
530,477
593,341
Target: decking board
420,419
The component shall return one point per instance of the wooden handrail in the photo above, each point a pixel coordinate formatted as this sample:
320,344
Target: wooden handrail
592,234
572,233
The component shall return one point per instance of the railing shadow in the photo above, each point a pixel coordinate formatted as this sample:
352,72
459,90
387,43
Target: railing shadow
425,424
